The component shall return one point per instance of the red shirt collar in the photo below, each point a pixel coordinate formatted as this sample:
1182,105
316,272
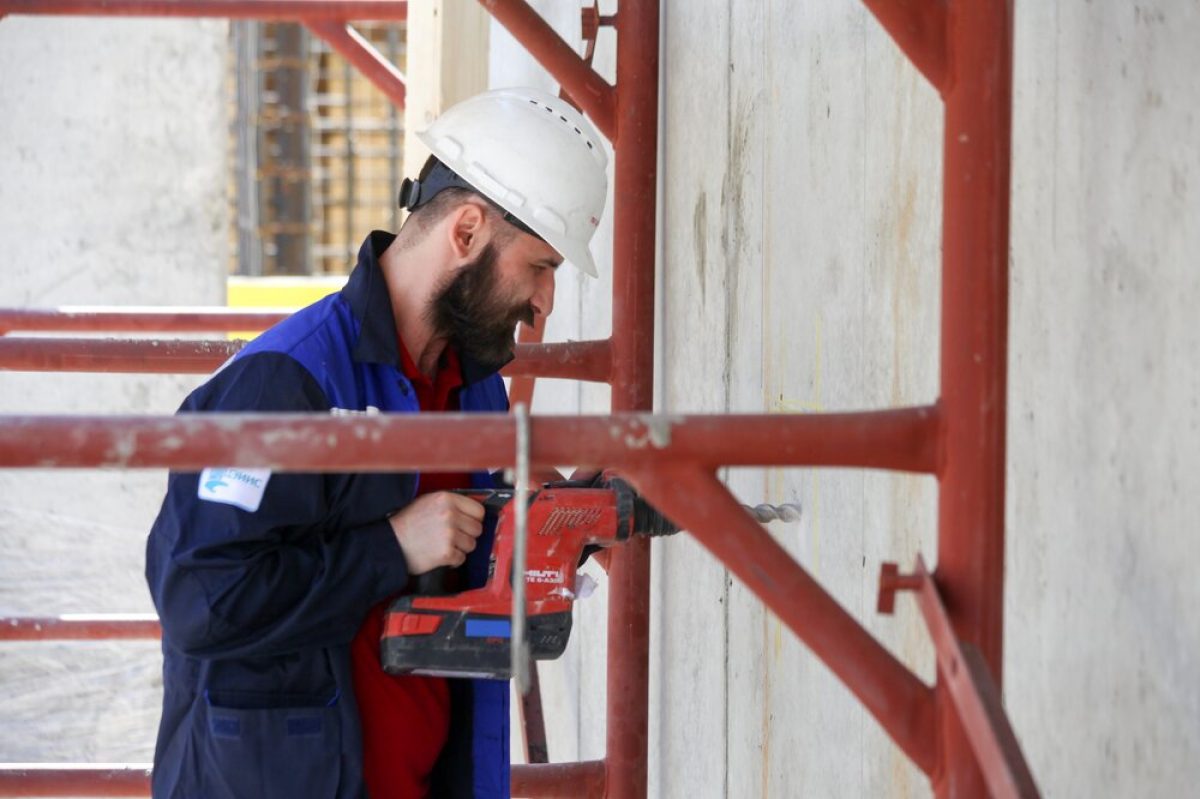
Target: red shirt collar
435,394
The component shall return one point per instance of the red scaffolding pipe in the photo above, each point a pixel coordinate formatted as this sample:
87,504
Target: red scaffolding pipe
694,498
584,780
520,390
965,50
903,440
138,320
593,94
81,627
138,356
975,695
70,779
919,28
575,360
974,352
352,46
634,255
381,10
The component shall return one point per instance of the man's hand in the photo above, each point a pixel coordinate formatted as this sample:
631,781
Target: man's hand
437,529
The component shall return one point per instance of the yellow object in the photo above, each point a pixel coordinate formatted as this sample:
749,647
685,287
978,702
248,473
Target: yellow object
269,293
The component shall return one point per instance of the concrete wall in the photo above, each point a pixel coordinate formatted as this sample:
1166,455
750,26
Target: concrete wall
1103,636
801,227
113,179
801,197
801,185
800,165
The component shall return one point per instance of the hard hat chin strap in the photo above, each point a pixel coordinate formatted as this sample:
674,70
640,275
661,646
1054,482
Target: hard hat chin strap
416,193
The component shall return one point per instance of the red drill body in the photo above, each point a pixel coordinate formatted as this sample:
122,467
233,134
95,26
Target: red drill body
469,633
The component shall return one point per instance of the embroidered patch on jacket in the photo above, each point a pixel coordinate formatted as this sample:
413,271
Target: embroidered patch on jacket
242,488
371,410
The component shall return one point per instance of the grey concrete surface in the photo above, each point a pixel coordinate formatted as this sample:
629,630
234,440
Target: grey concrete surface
1103,634
801,246
800,273
113,180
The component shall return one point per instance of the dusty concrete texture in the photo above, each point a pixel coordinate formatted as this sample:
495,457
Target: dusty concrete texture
1103,634
800,273
801,202
113,180
800,269
801,182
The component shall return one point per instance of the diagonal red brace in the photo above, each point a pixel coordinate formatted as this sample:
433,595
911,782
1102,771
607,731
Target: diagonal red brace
363,55
693,498
919,28
594,94
971,688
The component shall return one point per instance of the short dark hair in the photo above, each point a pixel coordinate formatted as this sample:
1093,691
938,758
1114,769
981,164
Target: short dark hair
420,221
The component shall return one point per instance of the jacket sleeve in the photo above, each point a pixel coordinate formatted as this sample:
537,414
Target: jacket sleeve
231,579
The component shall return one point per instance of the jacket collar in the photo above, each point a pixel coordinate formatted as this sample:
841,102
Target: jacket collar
366,292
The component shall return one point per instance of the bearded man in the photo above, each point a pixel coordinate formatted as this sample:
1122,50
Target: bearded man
271,587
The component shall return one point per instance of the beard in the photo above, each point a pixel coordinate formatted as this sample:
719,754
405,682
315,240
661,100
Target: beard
473,313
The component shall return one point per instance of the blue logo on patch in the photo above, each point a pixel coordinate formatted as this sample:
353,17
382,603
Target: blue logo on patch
216,480
242,488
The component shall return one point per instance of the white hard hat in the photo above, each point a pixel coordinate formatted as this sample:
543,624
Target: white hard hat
536,157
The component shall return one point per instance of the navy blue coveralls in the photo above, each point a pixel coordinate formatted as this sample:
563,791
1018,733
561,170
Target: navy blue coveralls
262,579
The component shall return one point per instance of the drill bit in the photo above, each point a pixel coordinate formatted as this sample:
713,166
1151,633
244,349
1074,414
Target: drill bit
787,512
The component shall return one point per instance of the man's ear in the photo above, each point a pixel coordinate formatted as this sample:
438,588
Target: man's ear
467,231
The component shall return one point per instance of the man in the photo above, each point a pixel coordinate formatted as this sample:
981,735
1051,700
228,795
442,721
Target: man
271,586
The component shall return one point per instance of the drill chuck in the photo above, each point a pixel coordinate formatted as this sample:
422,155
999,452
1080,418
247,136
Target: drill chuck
649,522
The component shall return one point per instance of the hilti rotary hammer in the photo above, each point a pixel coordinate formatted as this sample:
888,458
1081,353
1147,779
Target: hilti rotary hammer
468,634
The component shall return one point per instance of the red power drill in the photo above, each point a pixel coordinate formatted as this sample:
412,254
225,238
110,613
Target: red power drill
469,634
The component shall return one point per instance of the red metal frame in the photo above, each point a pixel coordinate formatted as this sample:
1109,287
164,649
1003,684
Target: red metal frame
902,439
363,55
80,627
74,779
292,10
967,679
954,731
131,320
574,360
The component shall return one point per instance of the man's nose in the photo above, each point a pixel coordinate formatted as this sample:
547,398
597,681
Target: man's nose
543,295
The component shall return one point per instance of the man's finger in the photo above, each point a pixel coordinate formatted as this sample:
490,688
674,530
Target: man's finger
464,543
469,526
469,506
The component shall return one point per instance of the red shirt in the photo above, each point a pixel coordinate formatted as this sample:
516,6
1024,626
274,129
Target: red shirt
405,720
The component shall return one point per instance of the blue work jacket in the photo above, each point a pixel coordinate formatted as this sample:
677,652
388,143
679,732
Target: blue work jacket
263,579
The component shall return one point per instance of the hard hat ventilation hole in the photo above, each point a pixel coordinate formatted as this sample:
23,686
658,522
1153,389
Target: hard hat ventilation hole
565,121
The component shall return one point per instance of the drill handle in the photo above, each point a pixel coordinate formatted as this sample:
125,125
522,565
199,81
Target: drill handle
436,582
